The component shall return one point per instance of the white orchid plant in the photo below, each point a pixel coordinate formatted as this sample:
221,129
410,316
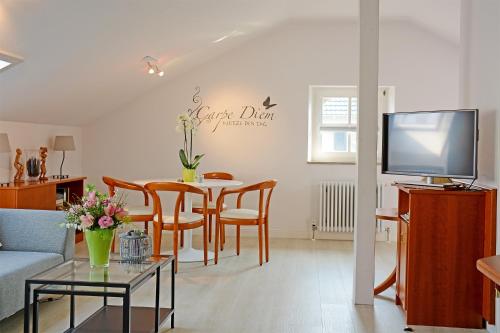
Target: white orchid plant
189,127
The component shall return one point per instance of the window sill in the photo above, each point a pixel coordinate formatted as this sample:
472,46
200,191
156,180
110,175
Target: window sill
339,162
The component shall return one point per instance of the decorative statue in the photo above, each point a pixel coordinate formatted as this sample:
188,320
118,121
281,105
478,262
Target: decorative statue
43,167
18,178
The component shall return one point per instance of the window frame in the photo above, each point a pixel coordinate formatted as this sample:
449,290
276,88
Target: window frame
315,125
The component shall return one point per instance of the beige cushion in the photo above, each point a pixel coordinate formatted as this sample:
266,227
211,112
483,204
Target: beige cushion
140,210
211,205
240,213
183,218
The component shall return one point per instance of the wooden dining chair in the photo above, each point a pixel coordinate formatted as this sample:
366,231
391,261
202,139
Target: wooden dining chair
198,205
137,213
242,216
179,221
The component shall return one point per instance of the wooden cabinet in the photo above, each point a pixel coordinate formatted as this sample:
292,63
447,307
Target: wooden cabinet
40,194
402,258
437,283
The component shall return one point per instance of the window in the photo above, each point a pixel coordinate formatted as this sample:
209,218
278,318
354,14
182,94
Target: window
333,122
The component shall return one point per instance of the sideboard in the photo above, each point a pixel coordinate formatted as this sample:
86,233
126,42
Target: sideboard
41,194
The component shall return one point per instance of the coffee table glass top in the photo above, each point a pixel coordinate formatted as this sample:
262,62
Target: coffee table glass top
77,272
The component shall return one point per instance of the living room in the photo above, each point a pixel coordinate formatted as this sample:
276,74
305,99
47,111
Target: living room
244,89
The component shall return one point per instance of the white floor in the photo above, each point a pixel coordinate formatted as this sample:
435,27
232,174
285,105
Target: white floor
305,288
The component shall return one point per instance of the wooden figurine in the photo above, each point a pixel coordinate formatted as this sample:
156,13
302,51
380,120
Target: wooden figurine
43,167
18,178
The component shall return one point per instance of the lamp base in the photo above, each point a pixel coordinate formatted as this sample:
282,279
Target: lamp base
60,176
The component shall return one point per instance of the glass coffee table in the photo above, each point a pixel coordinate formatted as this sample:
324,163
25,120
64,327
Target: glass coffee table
119,280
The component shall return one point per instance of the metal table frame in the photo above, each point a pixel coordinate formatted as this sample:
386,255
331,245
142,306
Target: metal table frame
128,289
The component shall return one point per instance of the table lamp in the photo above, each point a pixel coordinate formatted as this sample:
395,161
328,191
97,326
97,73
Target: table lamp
5,148
63,143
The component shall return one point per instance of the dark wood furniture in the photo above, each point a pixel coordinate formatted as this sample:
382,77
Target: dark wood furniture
119,280
439,242
241,216
386,214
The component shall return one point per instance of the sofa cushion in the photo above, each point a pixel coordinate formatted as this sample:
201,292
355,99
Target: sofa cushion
15,268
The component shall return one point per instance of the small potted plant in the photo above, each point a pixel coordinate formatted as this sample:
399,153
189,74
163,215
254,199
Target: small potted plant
97,215
188,126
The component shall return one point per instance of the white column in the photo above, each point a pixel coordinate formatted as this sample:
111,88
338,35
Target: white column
366,168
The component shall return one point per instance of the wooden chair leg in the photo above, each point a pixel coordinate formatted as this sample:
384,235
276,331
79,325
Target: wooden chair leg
182,238
146,226
176,249
216,247
260,243
266,238
222,228
205,243
237,240
210,228
156,238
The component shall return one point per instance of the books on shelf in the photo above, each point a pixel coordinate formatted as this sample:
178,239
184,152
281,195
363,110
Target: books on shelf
62,195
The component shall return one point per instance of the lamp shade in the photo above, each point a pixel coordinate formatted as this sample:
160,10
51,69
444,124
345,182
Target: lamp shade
64,143
4,143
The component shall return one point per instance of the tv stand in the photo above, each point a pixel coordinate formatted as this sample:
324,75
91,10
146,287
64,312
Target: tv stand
427,183
441,235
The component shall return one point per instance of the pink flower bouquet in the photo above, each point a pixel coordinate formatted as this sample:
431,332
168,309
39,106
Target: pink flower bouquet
96,211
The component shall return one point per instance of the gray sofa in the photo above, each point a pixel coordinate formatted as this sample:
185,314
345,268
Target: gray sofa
32,241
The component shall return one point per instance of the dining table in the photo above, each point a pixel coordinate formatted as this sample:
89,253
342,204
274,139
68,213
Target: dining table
187,253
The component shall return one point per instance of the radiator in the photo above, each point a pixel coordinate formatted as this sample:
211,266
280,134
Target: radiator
337,205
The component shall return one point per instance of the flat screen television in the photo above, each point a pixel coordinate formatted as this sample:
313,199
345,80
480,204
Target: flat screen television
431,143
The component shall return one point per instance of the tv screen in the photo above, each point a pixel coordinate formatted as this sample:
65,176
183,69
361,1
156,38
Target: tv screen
431,143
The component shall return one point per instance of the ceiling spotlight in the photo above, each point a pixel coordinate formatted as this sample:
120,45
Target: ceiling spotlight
152,66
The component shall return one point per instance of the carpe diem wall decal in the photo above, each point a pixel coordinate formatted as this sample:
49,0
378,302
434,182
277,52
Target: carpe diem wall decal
249,115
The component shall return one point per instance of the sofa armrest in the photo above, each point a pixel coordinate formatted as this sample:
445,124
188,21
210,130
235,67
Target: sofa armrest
36,231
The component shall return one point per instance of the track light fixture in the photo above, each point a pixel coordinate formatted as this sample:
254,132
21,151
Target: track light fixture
152,66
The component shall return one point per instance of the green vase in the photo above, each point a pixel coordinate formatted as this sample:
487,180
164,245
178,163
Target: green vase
99,246
188,175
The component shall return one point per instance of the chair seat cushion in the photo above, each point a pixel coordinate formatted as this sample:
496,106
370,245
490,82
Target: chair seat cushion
140,210
183,218
240,213
211,205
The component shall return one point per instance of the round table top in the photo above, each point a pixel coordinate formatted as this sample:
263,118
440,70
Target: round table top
207,183
387,214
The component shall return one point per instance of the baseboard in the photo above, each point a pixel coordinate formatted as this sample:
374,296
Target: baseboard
295,234
273,232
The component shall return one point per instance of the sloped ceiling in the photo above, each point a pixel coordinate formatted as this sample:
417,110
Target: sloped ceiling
83,58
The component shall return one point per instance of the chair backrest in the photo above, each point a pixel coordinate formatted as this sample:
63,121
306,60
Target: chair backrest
113,184
218,175
264,201
155,187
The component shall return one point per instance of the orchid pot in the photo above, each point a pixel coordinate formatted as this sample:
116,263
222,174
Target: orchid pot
188,126
188,175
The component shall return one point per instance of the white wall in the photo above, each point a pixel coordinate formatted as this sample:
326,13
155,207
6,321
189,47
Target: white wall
480,78
139,140
480,86
29,136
